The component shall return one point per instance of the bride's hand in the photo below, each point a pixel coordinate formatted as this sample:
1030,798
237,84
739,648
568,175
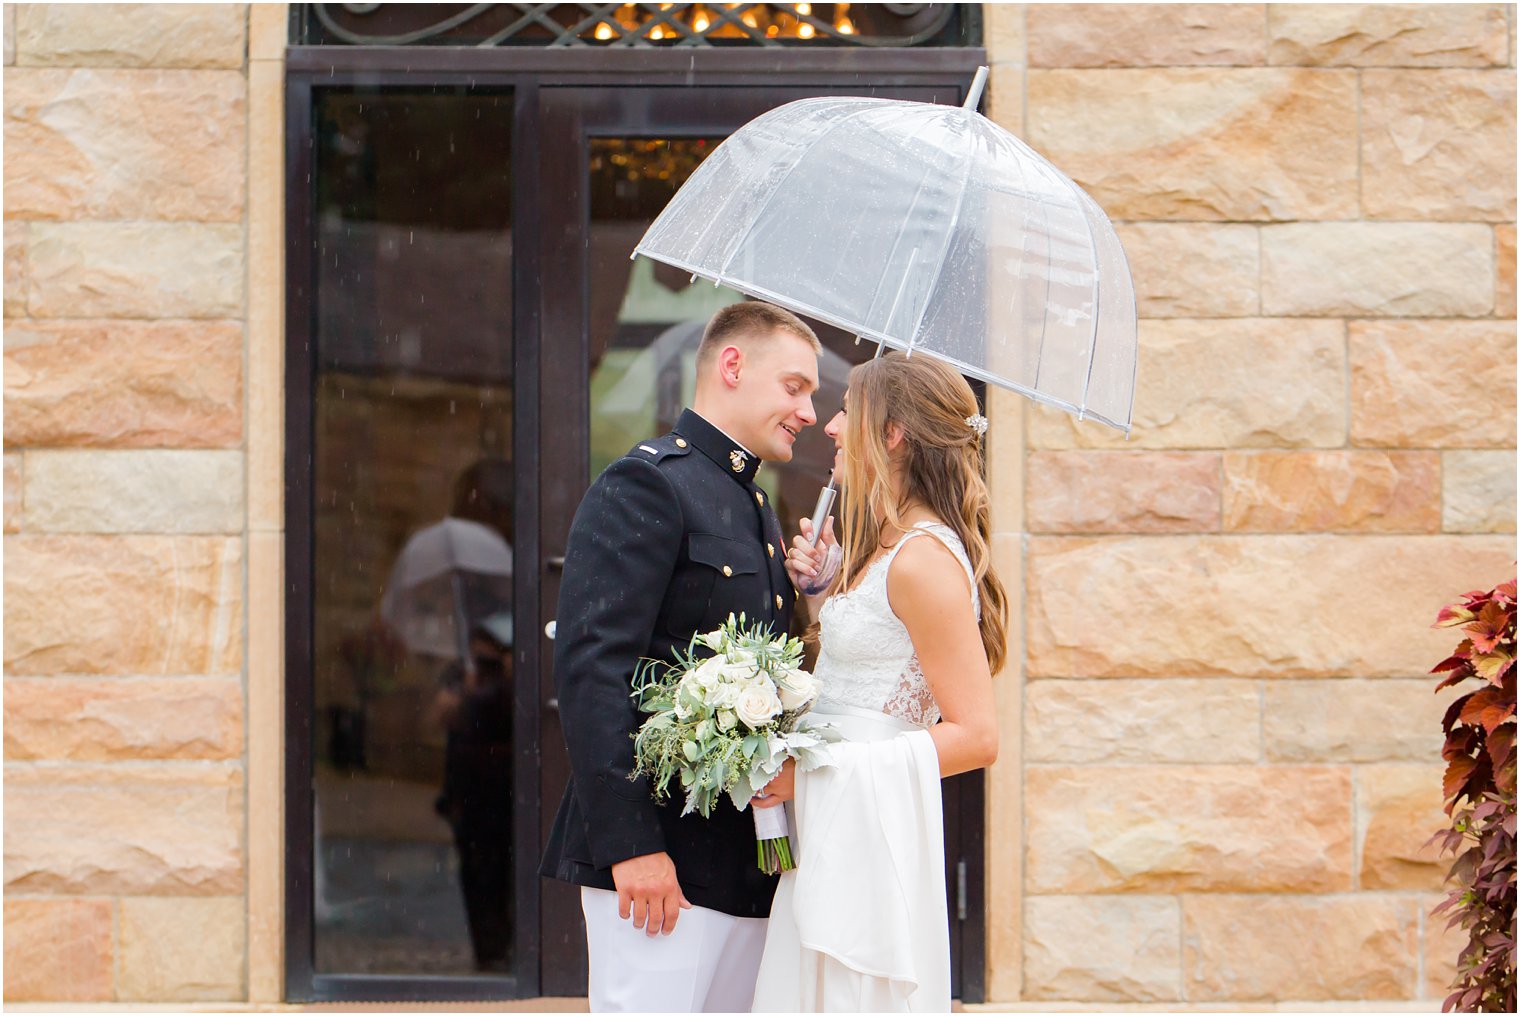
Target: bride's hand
780,789
805,562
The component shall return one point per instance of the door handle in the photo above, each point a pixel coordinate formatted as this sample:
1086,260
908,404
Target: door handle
551,629
556,563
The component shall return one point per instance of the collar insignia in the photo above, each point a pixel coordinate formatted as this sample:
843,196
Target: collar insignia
737,458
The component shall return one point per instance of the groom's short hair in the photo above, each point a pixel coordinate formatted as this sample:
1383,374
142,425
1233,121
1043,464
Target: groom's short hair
750,319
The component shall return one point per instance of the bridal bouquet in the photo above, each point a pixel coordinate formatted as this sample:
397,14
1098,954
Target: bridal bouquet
725,723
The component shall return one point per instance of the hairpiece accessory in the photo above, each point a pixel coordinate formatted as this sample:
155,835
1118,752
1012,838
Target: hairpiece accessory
978,423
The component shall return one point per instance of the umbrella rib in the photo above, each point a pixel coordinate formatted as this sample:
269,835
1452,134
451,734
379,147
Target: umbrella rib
960,202
723,269
1092,344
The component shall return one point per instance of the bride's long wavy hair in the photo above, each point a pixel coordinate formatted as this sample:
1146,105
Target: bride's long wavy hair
941,467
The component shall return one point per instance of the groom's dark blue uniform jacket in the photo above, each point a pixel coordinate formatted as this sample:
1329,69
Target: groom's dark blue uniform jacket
669,540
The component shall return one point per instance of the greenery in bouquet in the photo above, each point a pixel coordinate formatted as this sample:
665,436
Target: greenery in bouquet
723,718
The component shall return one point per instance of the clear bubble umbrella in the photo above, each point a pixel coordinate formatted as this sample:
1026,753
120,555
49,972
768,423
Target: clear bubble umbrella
923,227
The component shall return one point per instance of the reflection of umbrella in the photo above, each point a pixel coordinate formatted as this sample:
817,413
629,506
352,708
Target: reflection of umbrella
924,227
441,572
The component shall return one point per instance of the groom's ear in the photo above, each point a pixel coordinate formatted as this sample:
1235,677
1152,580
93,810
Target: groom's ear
730,365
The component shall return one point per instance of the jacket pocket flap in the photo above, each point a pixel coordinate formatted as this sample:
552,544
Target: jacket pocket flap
731,557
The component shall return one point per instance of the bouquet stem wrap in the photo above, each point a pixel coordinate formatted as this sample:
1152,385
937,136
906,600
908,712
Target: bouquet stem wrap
773,846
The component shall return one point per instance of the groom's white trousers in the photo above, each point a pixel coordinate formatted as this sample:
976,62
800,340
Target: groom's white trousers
707,964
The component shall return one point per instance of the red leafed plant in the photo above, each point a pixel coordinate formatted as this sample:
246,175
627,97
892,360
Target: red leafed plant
1479,790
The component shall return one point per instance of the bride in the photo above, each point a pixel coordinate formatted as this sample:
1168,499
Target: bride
910,633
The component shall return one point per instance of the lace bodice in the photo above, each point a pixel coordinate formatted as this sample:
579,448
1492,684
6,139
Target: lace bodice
865,656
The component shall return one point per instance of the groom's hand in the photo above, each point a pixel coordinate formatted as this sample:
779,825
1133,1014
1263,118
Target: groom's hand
649,893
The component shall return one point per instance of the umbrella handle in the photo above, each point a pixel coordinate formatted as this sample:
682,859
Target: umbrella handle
461,625
821,513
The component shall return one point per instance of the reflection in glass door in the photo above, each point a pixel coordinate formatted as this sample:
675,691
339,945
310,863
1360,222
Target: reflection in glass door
414,504
646,321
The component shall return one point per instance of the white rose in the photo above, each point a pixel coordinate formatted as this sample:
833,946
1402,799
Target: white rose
701,682
724,695
739,673
757,703
727,720
798,689
713,639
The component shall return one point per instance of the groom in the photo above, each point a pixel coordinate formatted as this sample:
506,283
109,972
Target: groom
669,540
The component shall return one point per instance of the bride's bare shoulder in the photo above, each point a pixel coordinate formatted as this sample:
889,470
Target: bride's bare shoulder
926,568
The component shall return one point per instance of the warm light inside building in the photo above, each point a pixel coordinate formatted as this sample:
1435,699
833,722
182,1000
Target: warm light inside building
668,22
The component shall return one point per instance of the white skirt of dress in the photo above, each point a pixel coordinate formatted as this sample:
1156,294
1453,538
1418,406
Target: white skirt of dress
861,924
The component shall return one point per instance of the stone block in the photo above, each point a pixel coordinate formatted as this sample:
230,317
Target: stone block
14,476
1213,720
135,270
1432,384
1399,808
124,384
1004,104
1441,947
1247,606
58,950
1352,720
118,719
182,949
148,605
1438,145
10,34
1146,35
1003,32
268,31
1123,492
1191,269
1180,829
1102,948
1382,269
1504,285
129,491
1478,492
1242,144
132,35
1387,35
1262,949
15,269
1207,384
170,829
125,144
1332,492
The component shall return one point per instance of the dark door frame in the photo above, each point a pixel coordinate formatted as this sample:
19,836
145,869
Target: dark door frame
529,73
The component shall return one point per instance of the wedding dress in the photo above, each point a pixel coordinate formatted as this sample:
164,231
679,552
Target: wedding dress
861,924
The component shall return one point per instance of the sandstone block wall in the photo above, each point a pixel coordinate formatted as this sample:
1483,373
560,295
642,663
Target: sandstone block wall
1228,747
126,187
1219,752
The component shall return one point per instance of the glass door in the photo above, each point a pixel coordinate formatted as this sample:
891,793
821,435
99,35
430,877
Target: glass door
409,474
621,338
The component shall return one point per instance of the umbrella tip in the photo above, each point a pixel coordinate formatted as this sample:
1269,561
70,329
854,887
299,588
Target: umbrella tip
974,96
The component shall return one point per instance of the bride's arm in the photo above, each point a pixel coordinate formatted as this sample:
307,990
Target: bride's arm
929,593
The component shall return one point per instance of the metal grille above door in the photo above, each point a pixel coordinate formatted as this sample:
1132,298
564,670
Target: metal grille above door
659,25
